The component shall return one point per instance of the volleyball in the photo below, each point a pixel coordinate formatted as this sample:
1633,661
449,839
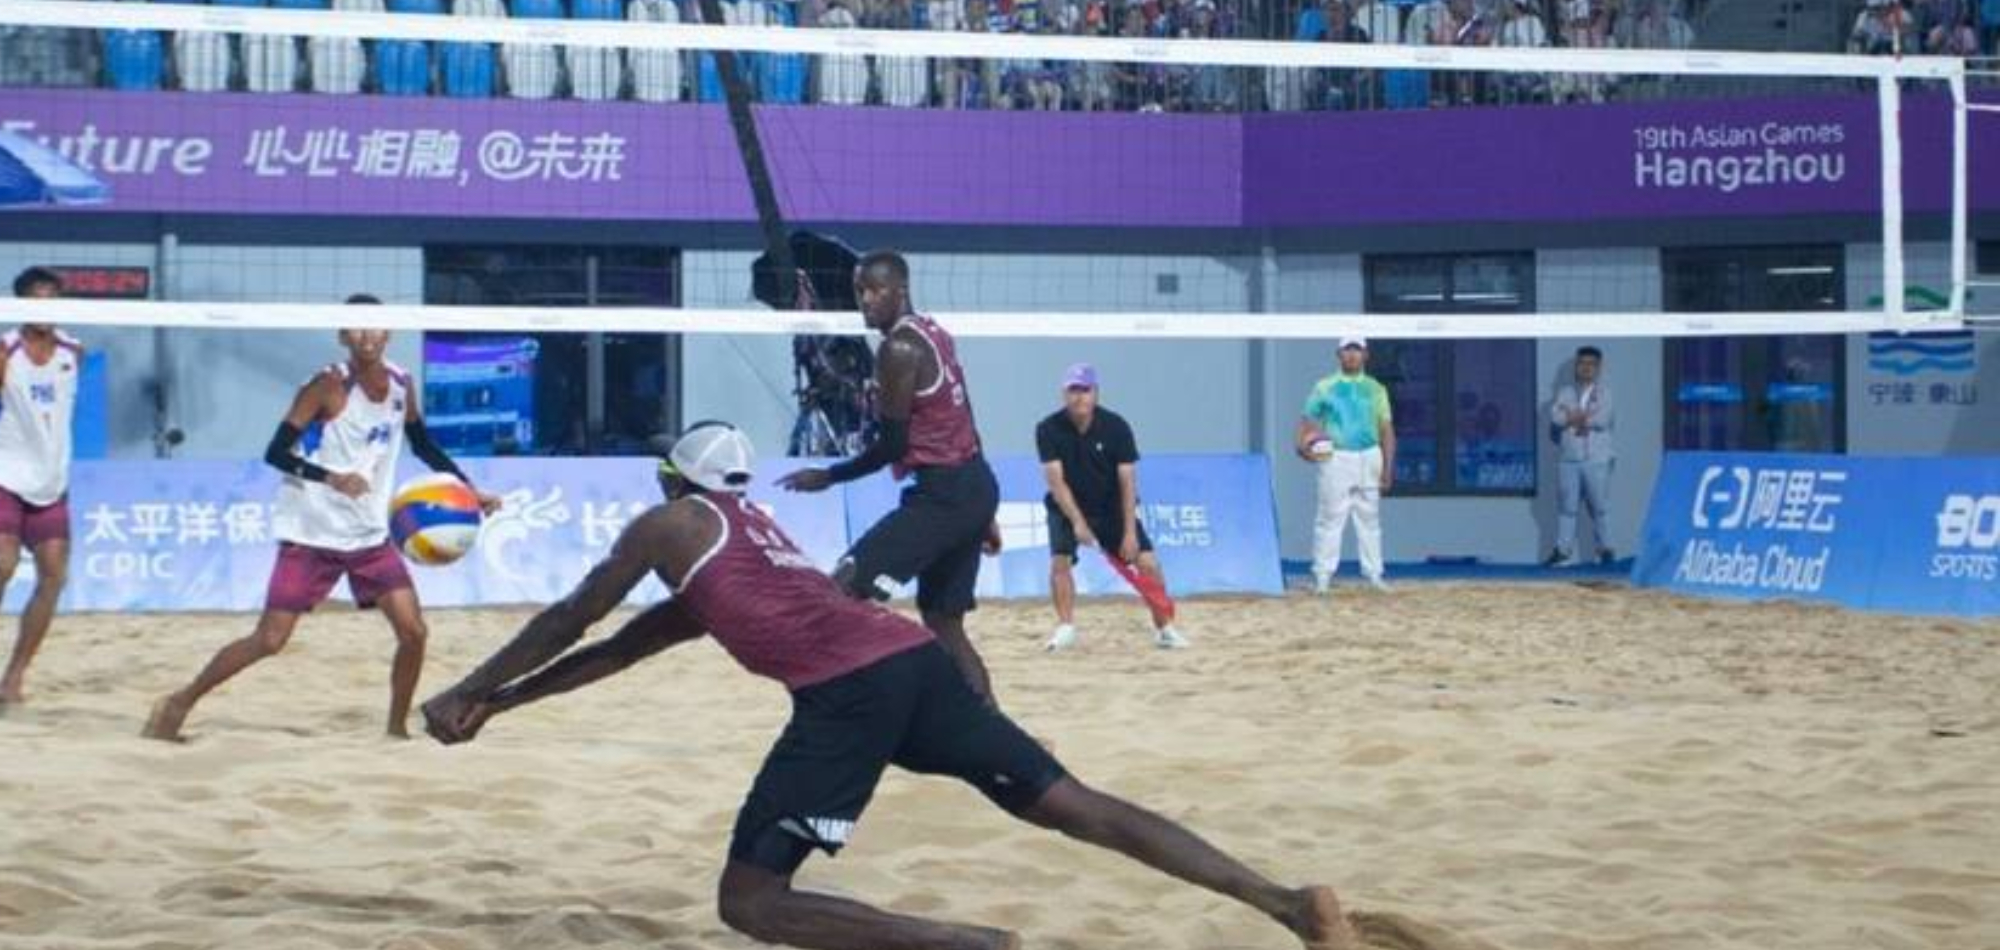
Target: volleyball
434,519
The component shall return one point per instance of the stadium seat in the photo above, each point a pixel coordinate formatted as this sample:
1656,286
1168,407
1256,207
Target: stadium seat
470,69
533,70
201,58
403,67
708,80
656,73
339,64
595,72
270,63
781,77
906,80
840,80
134,59
36,56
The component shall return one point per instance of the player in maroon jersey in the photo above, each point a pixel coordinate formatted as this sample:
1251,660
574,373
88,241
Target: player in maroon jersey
926,429
869,689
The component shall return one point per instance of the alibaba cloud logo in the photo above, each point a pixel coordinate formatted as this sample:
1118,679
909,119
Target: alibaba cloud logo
1724,490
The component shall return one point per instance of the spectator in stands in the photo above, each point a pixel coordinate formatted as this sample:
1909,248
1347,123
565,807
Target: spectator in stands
1477,23
979,79
1524,28
1882,29
1092,84
1210,88
1953,34
1586,25
1135,82
1989,24
1659,25
1029,83
1342,89
949,77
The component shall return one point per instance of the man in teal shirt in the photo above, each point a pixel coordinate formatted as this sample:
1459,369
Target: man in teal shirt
1346,431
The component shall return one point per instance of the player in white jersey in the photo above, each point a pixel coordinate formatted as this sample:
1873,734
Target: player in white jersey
332,520
38,369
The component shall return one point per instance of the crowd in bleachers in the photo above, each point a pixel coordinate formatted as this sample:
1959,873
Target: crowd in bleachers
1929,27
203,61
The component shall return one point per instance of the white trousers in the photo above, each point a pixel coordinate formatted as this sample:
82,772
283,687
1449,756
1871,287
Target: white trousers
1583,483
1350,483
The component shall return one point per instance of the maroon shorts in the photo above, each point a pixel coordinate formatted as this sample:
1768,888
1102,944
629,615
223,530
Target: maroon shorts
305,575
33,524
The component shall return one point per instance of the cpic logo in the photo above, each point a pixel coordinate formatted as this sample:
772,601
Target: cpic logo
1722,489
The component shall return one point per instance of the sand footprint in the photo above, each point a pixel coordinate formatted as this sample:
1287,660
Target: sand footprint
1387,931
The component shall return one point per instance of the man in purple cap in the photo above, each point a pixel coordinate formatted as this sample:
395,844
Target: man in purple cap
1091,463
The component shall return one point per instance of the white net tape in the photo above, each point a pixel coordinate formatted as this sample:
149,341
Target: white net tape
1888,75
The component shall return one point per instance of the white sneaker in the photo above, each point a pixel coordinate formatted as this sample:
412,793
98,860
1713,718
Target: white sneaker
1381,586
1167,638
1322,583
1062,639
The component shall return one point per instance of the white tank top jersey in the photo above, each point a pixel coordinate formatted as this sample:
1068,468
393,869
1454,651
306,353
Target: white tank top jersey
37,408
366,439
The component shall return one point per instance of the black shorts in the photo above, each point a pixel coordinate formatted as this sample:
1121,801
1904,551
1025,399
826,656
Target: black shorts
1109,528
934,536
912,710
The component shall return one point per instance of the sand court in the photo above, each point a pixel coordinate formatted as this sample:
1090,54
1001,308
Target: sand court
1471,766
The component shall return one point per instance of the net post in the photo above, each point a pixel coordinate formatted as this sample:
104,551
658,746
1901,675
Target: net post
1959,196
1889,96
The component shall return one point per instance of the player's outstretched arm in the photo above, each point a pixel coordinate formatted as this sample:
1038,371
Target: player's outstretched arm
551,632
660,626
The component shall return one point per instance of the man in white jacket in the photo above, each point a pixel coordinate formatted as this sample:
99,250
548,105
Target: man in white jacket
1580,419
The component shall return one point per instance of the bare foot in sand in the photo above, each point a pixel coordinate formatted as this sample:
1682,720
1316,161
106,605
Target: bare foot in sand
10,693
398,732
165,722
1319,922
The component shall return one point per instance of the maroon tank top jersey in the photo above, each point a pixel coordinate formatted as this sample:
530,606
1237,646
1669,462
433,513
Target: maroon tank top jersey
776,613
942,432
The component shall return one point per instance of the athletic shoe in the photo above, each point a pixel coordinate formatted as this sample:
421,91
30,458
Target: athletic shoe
1381,586
1557,558
1604,556
1566,561
1063,639
1167,638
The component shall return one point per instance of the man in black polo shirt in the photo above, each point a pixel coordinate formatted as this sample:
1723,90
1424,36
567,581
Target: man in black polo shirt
1089,458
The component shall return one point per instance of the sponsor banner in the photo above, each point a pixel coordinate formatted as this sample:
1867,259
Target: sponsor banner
150,536
1211,517
1913,535
242,153
165,536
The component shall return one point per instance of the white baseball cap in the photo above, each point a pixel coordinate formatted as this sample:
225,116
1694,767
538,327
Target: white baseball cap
715,456
1357,342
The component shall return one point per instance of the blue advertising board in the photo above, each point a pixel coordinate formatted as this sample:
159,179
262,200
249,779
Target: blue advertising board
1910,535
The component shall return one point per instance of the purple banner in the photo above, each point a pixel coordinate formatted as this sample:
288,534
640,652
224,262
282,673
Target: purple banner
361,155
367,155
1708,158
